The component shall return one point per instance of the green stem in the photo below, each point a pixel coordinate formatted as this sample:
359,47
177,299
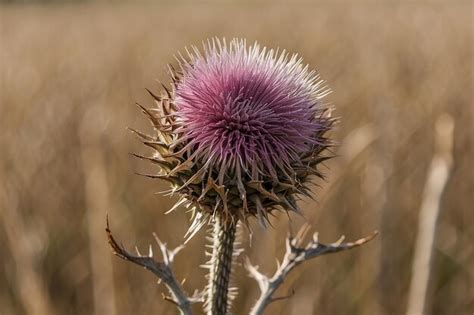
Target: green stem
220,266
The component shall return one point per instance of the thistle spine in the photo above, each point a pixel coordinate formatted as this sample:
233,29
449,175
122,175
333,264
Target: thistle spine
220,266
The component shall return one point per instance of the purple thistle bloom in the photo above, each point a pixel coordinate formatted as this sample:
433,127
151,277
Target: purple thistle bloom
241,130
249,108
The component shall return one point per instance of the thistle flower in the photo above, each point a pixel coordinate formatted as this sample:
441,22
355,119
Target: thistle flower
240,132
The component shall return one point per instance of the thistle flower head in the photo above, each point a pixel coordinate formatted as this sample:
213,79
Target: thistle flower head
241,130
248,108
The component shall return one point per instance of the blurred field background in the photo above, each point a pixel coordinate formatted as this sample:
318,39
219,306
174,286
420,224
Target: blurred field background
71,73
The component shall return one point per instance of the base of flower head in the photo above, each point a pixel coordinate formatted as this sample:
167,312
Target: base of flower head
236,195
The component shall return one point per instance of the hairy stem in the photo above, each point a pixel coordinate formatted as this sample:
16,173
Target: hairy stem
220,266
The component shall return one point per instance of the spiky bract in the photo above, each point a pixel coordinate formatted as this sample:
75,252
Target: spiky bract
240,131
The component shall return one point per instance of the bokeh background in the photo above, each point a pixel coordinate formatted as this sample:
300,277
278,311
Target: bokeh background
70,74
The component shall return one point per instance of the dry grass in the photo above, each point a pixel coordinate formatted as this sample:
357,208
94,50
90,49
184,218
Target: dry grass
70,76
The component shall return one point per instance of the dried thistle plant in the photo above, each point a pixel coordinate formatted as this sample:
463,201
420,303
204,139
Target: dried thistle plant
239,134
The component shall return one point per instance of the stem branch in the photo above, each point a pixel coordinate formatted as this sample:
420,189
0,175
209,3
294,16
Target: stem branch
296,253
